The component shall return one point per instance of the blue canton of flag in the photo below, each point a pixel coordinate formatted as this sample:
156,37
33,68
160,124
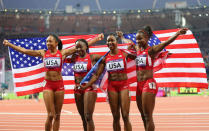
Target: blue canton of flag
20,60
67,69
152,41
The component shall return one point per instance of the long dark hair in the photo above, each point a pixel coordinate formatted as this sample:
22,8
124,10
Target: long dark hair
147,31
57,40
86,43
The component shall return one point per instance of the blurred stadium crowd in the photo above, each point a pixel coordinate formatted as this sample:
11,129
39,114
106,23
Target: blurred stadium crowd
26,23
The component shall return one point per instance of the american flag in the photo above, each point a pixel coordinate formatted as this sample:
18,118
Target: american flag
183,68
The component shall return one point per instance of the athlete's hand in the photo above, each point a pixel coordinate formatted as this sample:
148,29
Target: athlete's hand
100,37
5,42
182,31
82,87
77,87
119,33
131,46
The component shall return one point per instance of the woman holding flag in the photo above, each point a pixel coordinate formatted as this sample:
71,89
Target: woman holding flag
53,91
118,87
85,96
146,85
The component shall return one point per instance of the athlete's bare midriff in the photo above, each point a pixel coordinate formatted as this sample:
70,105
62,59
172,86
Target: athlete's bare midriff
53,75
143,75
117,76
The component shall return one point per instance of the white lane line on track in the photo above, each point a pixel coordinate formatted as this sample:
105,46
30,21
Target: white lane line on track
24,116
102,123
105,126
109,114
66,111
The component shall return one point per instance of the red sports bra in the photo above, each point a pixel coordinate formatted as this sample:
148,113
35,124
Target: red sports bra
53,62
82,65
144,60
116,63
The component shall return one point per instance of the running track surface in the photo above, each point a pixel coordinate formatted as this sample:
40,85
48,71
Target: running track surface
185,113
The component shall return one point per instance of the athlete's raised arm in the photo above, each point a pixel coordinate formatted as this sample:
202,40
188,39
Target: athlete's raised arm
23,50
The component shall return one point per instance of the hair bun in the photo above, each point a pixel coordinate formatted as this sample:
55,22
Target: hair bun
148,30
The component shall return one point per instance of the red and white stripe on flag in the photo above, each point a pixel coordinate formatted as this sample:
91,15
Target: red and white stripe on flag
185,66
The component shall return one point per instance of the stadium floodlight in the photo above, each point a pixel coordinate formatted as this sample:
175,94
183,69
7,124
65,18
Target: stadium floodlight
149,11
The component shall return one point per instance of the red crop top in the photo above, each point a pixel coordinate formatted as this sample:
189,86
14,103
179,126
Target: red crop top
116,63
82,65
144,60
53,62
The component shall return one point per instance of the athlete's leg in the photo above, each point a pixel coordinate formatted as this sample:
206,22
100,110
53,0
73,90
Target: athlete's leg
89,105
125,108
115,109
80,107
48,96
58,102
148,104
139,105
